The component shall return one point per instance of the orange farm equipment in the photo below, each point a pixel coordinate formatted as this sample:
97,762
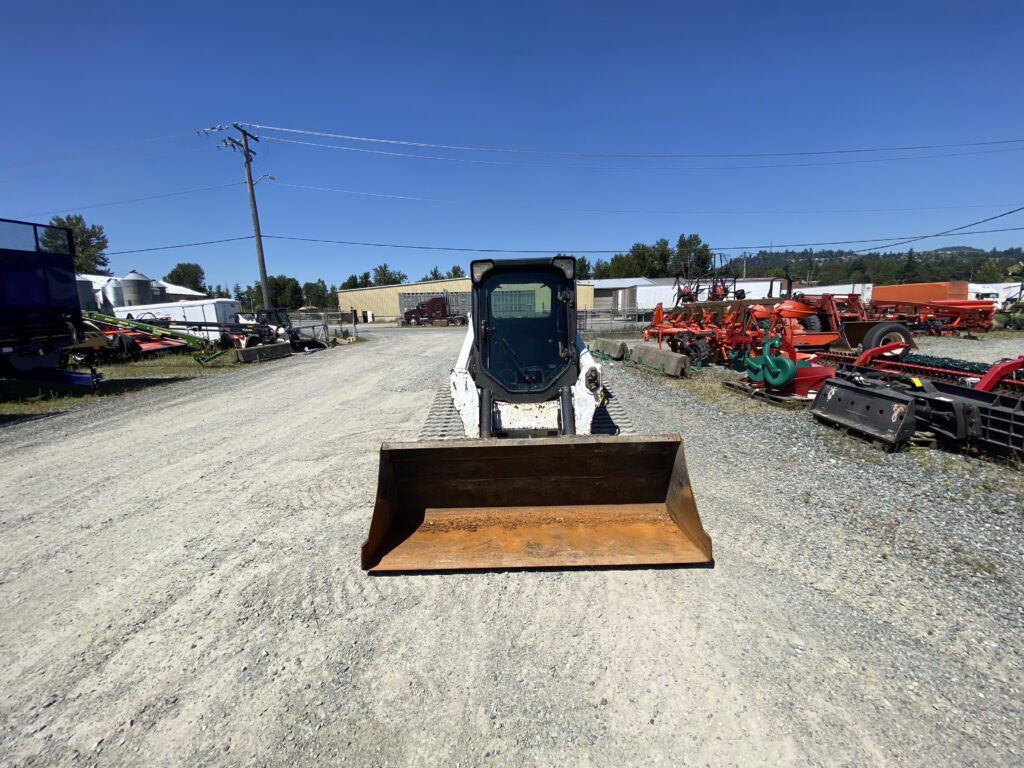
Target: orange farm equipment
939,317
721,332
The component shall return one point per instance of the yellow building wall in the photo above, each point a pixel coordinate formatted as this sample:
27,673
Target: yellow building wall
584,296
383,300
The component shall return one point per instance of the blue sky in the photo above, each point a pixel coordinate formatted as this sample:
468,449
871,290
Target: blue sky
85,80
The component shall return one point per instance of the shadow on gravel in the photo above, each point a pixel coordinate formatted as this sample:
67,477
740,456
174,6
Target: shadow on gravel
709,566
121,386
7,419
26,400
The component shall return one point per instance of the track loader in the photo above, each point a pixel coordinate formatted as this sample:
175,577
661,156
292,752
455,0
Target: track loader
526,483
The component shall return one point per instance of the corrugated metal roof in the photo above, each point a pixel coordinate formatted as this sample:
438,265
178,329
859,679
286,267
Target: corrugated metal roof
620,282
179,290
98,281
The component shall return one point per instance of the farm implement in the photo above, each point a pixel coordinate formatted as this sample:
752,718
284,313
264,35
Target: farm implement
779,369
727,332
938,317
715,331
998,377
891,408
132,340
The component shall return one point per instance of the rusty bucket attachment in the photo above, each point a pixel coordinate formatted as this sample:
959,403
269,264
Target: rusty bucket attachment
558,502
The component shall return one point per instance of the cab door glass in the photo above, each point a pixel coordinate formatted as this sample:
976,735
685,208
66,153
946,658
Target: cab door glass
526,321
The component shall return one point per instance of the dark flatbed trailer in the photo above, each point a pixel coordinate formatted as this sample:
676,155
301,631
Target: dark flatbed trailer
40,314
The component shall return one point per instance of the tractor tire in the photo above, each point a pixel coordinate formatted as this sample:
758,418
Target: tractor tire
127,348
811,324
888,333
413,322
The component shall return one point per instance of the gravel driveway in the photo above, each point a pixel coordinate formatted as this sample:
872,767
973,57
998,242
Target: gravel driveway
179,584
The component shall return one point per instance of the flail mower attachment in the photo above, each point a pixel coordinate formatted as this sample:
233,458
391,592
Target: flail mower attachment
867,407
559,502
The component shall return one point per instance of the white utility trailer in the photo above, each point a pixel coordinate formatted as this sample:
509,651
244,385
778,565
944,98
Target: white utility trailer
218,311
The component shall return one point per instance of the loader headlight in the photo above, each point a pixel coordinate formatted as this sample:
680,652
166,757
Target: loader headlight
480,268
567,264
593,379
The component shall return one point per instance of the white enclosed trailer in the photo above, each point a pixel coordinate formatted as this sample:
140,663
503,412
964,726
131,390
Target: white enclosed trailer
219,311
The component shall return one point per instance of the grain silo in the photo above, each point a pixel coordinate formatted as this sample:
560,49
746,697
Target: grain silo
113,293
138,289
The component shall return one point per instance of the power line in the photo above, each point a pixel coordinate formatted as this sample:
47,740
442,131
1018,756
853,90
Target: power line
637,211
542,251
180,245
595,251
955,229
656,155
129,200
472,161
855,242
903,239
356,192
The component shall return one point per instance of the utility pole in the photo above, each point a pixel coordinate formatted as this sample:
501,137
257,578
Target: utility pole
248,154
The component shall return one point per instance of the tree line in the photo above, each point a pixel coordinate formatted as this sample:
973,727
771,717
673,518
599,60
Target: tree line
830,267
689,258
385,275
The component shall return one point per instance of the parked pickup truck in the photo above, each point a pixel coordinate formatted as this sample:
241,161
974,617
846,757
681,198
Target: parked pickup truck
426,312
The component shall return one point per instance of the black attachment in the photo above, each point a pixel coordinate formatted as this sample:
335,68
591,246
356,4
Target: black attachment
566,415
486,413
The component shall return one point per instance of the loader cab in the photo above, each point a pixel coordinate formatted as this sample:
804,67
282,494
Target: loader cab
524,314
276,316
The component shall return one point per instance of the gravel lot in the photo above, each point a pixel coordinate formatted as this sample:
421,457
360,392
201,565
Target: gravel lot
986,349
179,584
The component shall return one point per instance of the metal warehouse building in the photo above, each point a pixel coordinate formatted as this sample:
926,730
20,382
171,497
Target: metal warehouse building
389,302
